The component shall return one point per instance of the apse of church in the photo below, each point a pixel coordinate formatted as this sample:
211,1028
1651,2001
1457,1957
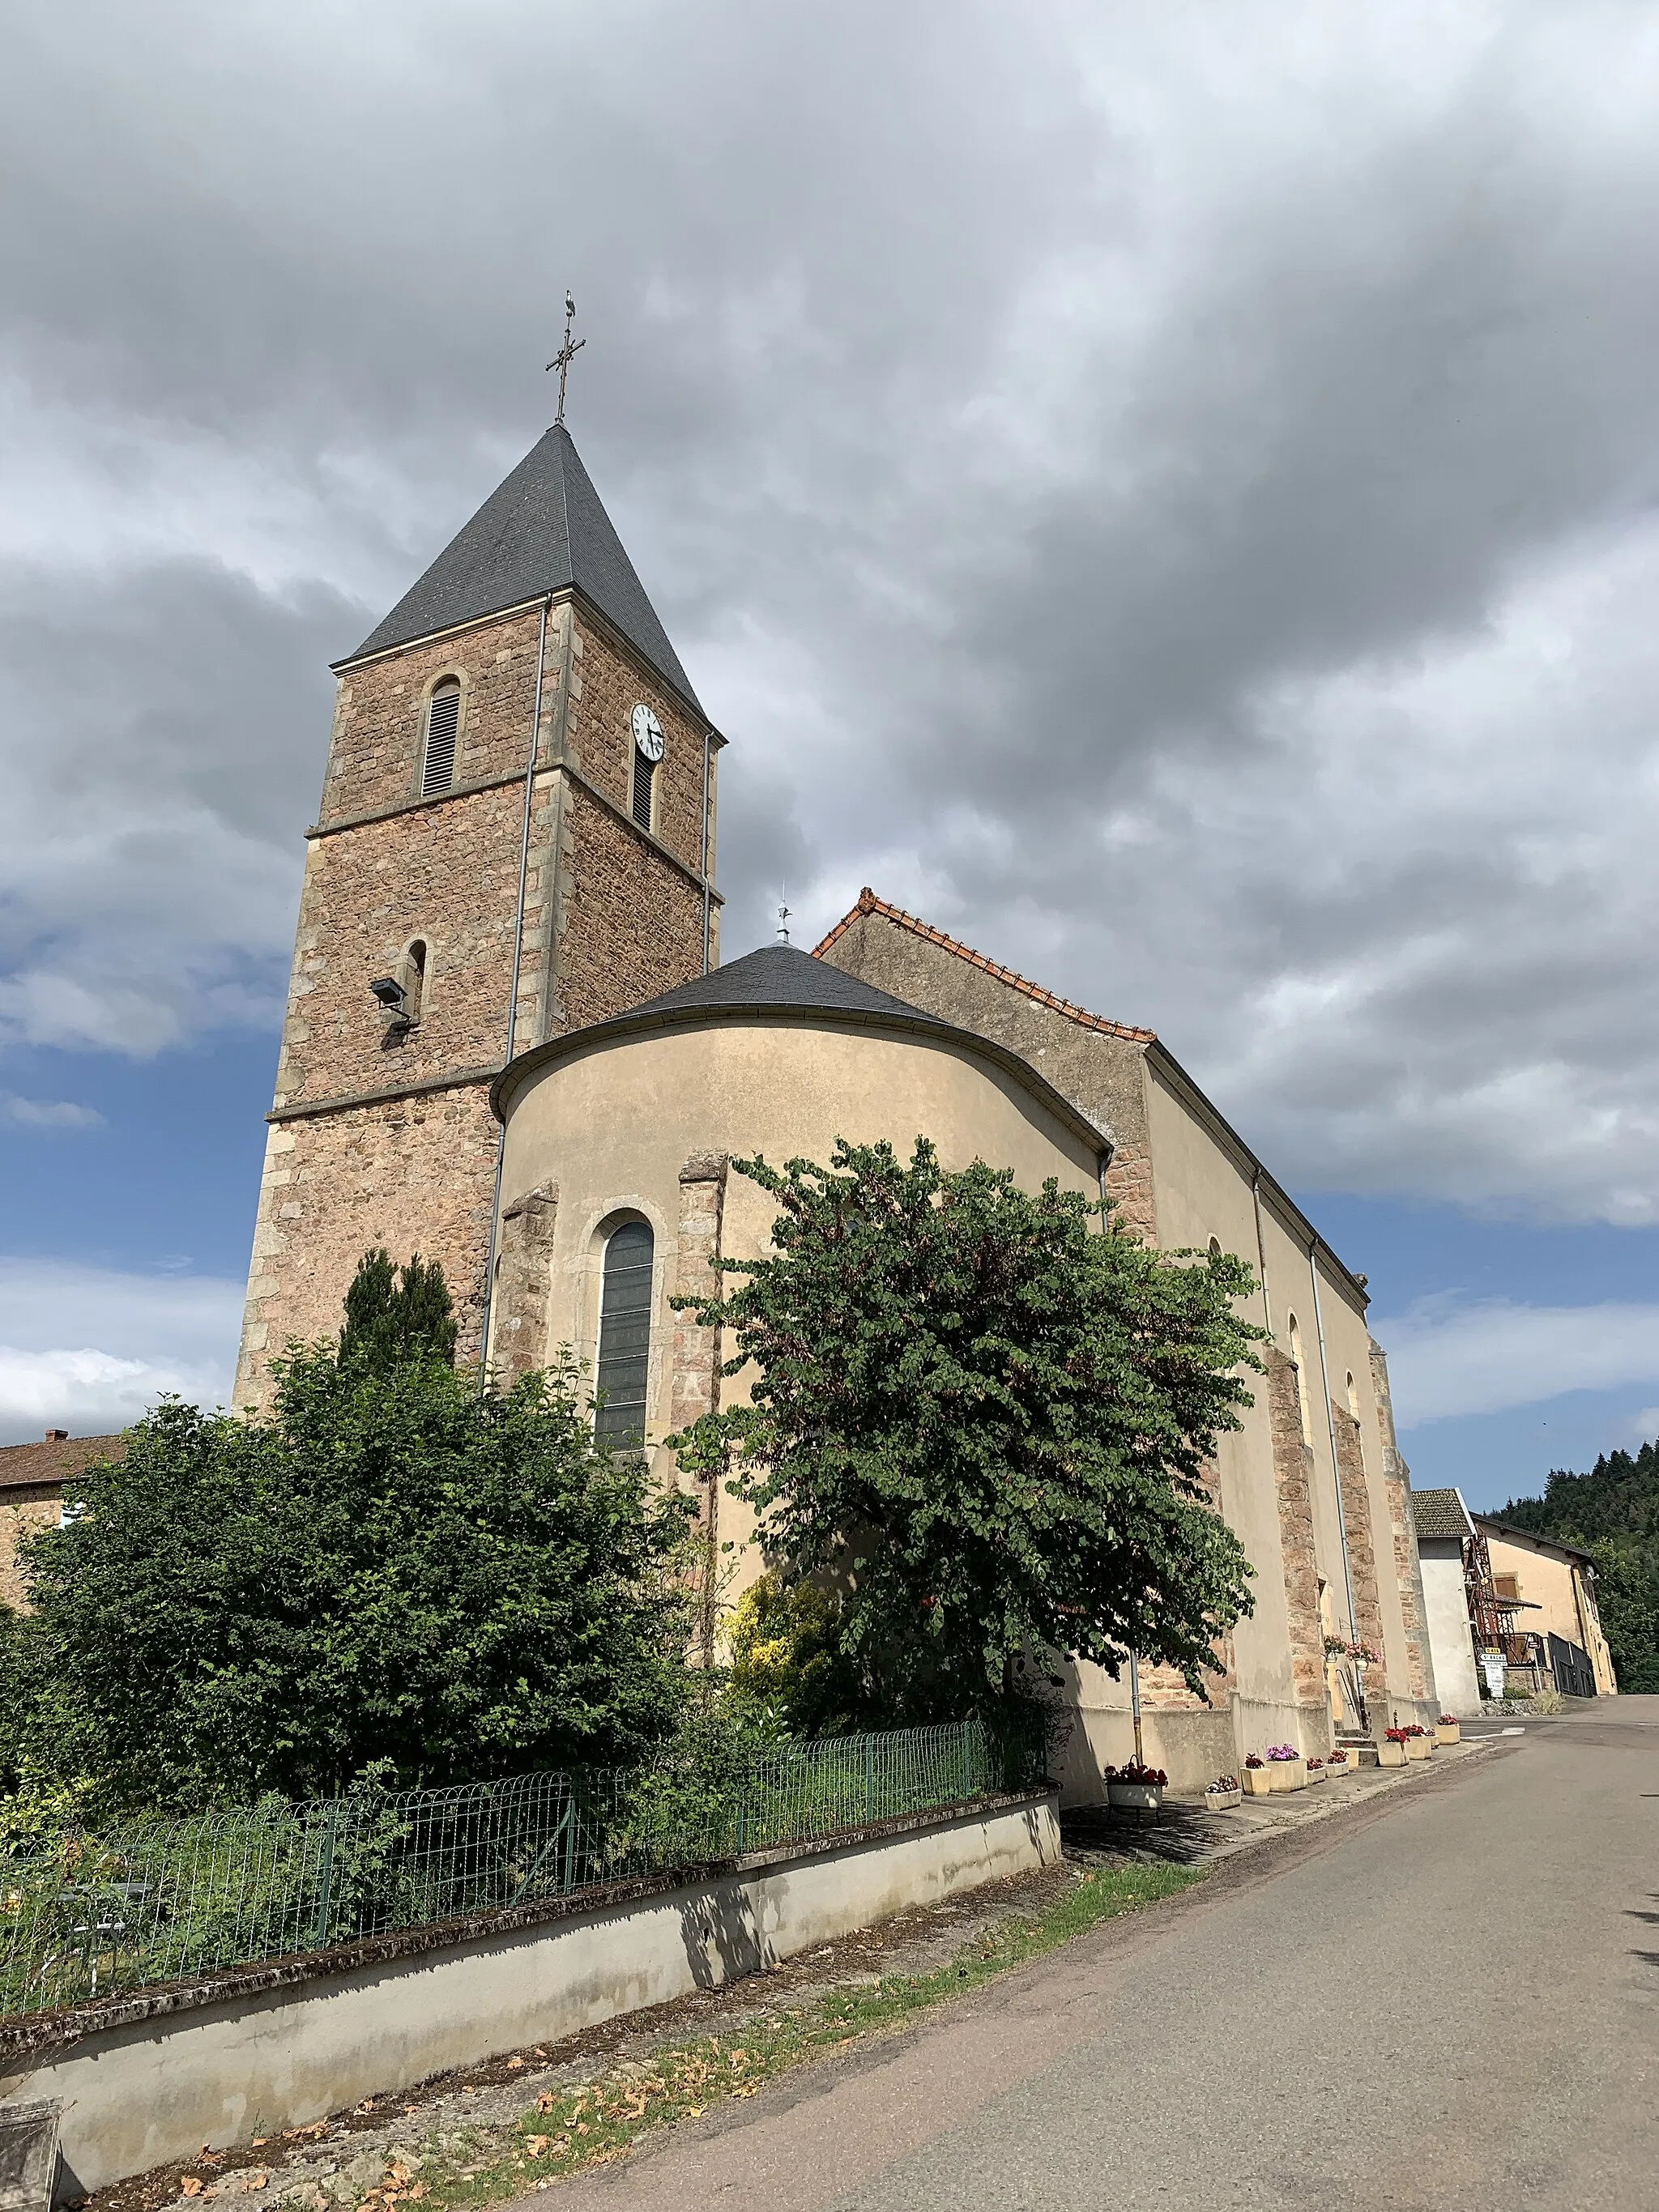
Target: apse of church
516,837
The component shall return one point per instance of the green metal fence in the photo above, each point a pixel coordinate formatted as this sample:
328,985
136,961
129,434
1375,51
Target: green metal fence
159,1901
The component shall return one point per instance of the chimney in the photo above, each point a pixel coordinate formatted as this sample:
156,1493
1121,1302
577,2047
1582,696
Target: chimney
57,1436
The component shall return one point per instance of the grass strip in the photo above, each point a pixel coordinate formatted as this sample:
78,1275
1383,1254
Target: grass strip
598,2123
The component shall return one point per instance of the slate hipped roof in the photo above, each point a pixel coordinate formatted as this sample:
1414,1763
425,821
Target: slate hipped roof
779,976
543,529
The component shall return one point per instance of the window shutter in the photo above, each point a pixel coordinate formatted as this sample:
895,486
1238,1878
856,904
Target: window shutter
644,774
442,722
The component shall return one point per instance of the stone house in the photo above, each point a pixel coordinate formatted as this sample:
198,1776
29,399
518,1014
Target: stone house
32,1479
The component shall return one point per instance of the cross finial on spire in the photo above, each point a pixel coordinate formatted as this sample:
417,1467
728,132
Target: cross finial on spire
567,353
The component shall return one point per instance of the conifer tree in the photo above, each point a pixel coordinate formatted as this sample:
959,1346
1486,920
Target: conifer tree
394,1318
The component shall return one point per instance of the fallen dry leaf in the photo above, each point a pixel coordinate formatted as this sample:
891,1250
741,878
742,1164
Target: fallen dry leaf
546,2101
190,2186
513,2064
537,2146
367,2106
694,2111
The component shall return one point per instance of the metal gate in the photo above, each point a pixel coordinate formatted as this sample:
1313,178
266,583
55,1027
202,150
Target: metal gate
1574,1675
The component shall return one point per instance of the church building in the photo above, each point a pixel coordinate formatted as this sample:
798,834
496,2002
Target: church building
511,1045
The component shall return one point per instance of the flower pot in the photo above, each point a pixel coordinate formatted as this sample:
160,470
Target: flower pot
1257,1780
1418,1746
1134,1796
1391,1754
1221,1800
1288,1773
1336,1771
1315,1774
1449,1732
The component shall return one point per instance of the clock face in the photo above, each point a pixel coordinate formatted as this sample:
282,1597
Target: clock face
647,732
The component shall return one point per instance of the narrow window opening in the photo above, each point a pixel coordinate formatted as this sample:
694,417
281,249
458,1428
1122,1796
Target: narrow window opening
1215,1248
443,721
1301,1381
413,981
624,1359
1353,1398
645,787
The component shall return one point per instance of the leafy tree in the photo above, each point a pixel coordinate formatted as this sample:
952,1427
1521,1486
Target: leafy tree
789,1665
1613,1513
985,1417
392,1315
390,1566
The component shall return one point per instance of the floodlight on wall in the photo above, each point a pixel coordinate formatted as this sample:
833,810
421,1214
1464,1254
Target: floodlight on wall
390,993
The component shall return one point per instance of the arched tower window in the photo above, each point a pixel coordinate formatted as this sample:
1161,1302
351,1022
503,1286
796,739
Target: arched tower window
443,723
624,1359
1353,1398
645,788
1300,1366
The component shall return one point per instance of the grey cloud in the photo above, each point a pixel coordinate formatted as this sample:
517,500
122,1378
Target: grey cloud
1175,508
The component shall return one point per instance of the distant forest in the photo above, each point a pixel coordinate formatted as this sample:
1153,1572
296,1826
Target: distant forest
1614,1513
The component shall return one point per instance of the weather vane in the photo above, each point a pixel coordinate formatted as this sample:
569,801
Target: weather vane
567,353
784,913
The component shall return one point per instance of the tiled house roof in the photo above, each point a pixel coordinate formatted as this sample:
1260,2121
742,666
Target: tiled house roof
24,1466
869,903
1441,1513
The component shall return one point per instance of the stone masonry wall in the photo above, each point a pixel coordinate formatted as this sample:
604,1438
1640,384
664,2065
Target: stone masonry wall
695,1385
523,1283
1361,1543
1402,1528
629,927
403,1154
1293,1468
1100,1073
414,1174
23,1509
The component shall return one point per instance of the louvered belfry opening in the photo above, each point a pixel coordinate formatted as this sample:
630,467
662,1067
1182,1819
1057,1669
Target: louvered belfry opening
624,1358
645,774
443,721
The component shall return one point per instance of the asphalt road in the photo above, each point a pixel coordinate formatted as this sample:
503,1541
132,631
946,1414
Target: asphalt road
1449,2002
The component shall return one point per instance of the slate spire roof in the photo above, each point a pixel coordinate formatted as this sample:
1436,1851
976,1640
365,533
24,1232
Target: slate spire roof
543,529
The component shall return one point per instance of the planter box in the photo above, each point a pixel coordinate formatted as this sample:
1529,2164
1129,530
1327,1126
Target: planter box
1334,1772
1315,1774
1288,1773
1257,1780
1221,1800
1419,1746
1134,1796
1391,1754
1448,1734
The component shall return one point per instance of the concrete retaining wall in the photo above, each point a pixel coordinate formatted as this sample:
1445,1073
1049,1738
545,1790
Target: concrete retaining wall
149,2078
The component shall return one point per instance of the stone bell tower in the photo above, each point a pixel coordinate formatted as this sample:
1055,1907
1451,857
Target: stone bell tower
516,837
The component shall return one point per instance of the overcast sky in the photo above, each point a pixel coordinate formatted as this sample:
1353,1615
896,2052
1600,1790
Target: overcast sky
1167,494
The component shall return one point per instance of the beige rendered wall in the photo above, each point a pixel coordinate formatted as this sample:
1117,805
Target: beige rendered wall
611,1128
1203,1189
1558,1587
1447,1599
141,2095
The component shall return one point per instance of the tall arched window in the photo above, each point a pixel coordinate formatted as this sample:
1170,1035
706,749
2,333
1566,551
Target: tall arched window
414,980
1301,1366
625,1358
1353,1398
443,722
